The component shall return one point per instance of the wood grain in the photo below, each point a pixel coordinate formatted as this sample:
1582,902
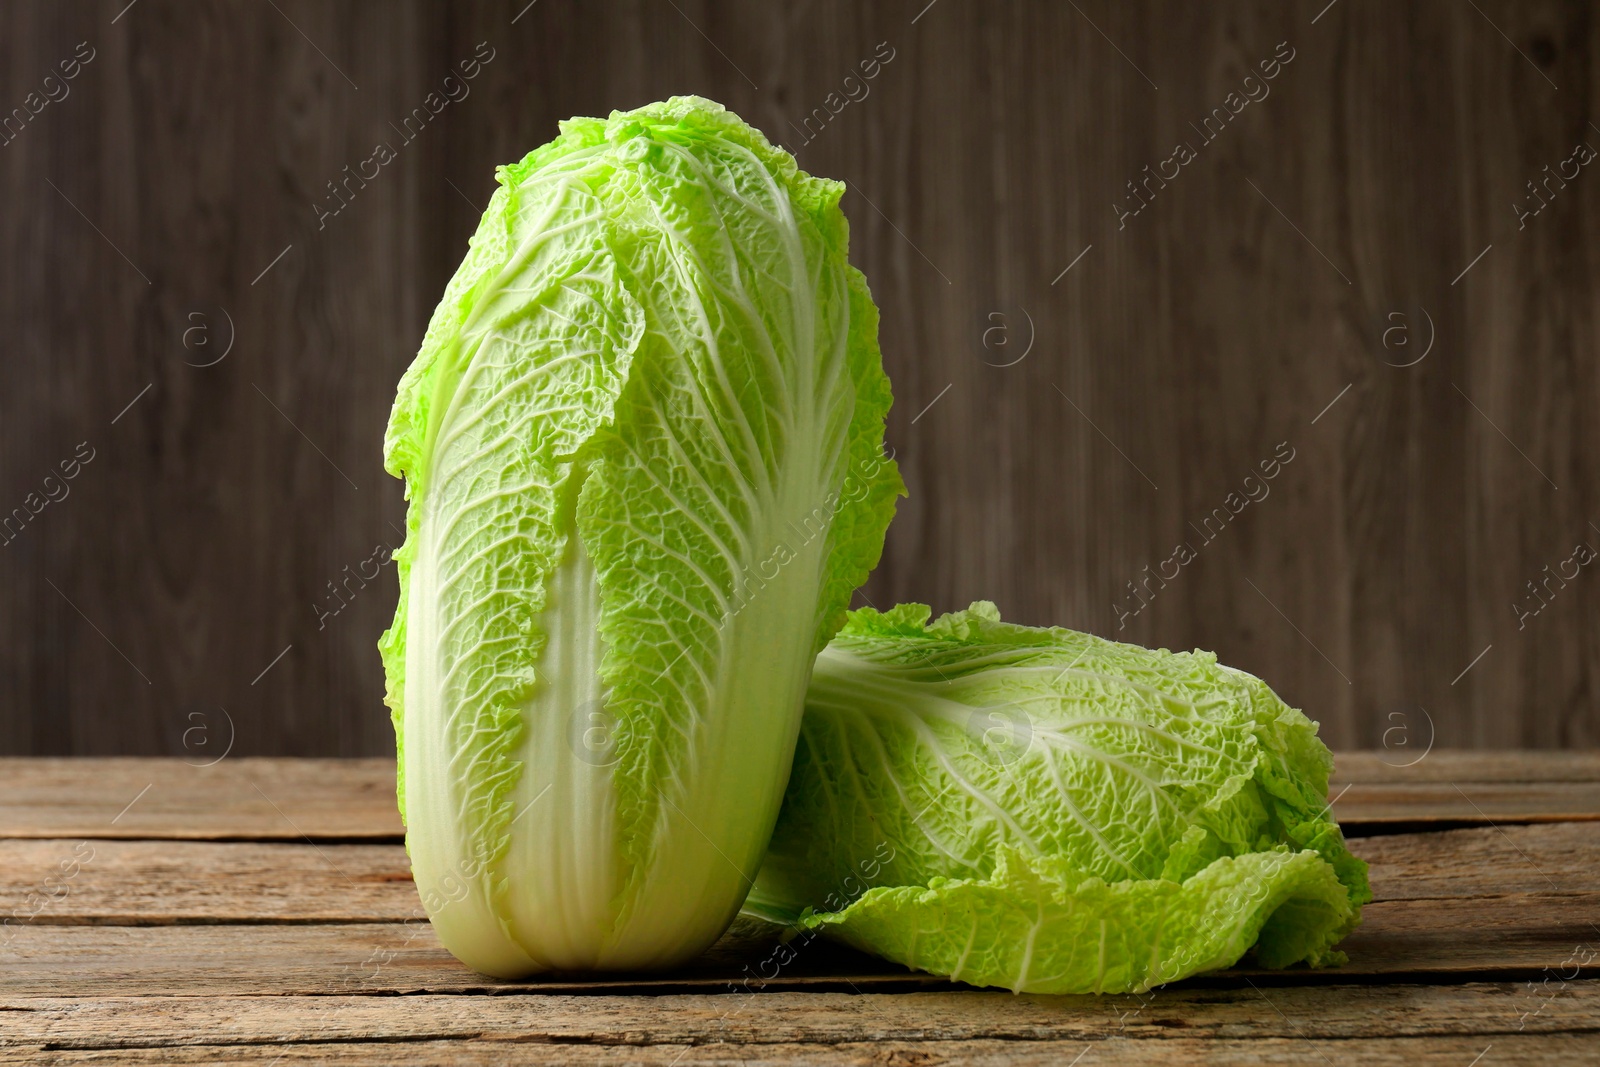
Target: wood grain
1524,935
1182,1052
1554,858
152,883
1396,786
1446,766
1363,808
172,949
1243,300
1380,789
1335,1012
157,883
254,799
370,958
290,800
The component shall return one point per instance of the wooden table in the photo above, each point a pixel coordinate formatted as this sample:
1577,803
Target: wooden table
262,912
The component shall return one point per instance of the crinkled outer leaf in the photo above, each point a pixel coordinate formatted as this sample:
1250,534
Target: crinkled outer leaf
643,446
930,753
1039,926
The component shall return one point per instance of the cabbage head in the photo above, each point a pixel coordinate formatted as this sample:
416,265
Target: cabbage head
1051,812
643,448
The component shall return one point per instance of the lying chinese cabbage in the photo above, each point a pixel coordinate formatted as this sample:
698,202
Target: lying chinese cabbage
643,448
1051,812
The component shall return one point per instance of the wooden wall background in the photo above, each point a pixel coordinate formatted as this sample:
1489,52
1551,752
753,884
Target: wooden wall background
1251,293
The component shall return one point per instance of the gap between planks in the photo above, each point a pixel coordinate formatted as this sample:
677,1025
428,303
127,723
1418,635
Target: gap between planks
143,882
1325,1012
1430,1051
353,800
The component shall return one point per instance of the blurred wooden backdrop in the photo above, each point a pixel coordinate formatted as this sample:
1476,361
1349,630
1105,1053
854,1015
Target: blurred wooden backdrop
1350,271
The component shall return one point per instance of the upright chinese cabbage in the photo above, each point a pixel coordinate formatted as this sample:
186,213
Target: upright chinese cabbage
643,448
1051,812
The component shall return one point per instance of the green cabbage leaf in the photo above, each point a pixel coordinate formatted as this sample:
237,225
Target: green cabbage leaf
1047,811
643,449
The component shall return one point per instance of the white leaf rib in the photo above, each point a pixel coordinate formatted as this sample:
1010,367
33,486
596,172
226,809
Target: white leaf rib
1103,758
961,961
802,307
719,442
479,552
745,491
541,233
892,776
681,250
470,613
824,779
697,612
1221,760
711,181
494,402
477,699
931,743
1089,827
688,563
476,508
516,433
729,555
1027,946
1116,679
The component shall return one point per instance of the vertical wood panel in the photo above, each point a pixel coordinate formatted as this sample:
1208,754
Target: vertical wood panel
1164,366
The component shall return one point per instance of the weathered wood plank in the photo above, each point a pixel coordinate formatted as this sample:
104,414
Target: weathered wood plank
1513,934
1333,1012
373,958
291,799
160,882
1510,936
139,883
1395,767
1452,1051
1374,789
256,799
1486,861
1365,808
